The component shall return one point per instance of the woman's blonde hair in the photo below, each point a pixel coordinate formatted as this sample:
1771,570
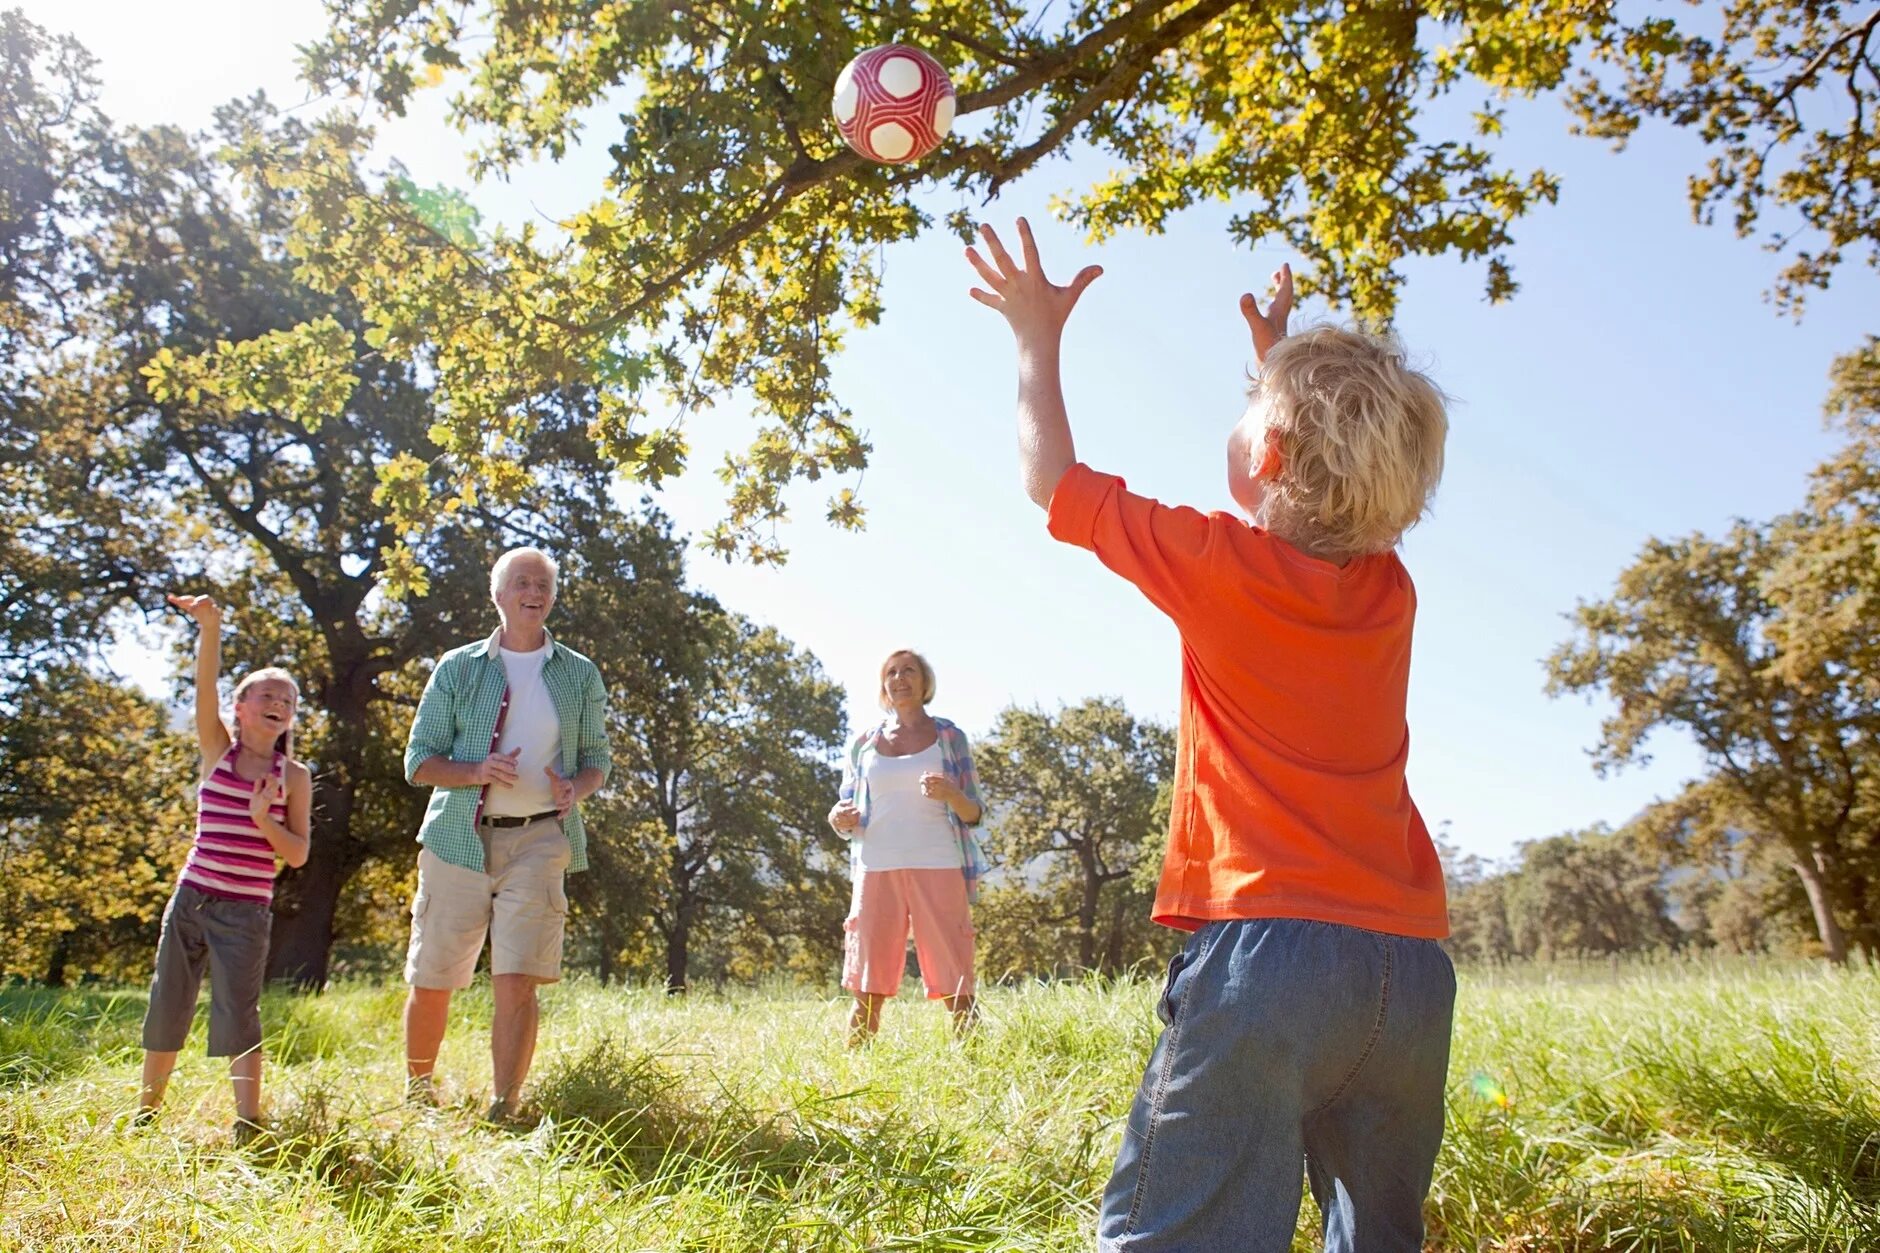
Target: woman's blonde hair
1360,440
283,743
926,677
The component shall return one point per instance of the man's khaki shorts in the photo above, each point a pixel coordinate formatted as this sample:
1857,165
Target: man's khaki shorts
518,901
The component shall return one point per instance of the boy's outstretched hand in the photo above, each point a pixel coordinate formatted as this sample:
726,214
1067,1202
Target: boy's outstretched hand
1270,327
1033,305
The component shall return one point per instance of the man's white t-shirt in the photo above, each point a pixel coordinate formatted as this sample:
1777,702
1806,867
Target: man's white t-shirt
907,831
532,725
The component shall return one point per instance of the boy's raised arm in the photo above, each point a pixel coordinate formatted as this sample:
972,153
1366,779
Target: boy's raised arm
1036,310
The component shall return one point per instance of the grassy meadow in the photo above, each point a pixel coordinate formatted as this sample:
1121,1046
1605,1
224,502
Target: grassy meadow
1675,1106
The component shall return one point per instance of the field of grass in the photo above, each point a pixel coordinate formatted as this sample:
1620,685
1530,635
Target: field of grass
1666,1107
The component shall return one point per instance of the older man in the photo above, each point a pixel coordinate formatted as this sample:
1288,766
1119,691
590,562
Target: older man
511,738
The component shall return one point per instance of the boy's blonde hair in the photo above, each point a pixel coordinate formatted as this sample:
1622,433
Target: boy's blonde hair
1360,440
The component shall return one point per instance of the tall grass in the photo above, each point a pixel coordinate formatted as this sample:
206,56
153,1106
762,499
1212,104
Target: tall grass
1667,1107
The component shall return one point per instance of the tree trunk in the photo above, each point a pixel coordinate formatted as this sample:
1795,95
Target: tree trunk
1864,935
676,941
1814,871
57,960
679,878
300,943
1087,911
605,966
1113,949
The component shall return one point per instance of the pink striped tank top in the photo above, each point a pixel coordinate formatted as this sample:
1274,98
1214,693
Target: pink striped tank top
231,858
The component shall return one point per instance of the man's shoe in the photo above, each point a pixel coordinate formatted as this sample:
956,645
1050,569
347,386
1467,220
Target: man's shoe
247,1131
421,1090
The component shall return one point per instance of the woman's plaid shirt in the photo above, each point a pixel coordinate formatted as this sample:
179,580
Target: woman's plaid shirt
956,762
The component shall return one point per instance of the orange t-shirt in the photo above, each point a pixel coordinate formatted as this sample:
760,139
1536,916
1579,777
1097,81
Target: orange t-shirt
1289,800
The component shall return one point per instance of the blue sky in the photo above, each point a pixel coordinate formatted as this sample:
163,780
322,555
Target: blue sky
1638,385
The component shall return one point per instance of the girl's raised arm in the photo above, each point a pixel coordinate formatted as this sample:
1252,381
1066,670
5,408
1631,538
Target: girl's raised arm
211,733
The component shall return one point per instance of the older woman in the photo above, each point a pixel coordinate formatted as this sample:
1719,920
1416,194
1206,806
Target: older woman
908,804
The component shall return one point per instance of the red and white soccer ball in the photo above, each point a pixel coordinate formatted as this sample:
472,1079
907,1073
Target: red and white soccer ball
894,104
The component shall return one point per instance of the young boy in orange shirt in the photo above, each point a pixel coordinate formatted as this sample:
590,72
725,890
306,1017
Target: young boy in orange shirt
1308,1017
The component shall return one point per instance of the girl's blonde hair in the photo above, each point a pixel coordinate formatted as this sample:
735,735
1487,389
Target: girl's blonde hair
926,677
1360,440
284,743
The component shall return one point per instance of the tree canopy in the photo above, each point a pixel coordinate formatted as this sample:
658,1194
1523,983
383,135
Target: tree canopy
734,241
1761,645
1079,817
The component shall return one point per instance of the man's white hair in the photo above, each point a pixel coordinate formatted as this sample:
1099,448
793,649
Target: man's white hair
499,573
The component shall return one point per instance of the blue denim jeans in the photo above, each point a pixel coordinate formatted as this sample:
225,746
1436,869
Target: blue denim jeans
1287,1041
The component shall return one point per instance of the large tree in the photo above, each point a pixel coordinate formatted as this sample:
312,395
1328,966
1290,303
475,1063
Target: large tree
71,547
735,240
139,467
94,822
1699,637
724,737
1078,811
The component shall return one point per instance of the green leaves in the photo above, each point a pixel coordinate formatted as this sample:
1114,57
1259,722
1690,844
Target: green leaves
734,241
1784,94
737,241
303,373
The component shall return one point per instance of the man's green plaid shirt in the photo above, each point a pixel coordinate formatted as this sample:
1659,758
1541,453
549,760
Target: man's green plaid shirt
457,720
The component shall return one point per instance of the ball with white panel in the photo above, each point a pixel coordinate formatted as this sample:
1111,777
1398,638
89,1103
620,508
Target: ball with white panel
894,104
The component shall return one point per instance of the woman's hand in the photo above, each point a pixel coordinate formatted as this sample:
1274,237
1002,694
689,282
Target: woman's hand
846,817
936,786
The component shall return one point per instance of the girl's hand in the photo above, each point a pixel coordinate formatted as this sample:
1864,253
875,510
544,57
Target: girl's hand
202,608
846,817
1270,327
1034,306
267,792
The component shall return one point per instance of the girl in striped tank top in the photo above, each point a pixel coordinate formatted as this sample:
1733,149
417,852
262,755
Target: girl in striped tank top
253,806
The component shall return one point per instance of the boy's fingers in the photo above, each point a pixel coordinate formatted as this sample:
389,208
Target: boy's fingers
993,278
1028,246
986,298
1250,310
997,248
1085,277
